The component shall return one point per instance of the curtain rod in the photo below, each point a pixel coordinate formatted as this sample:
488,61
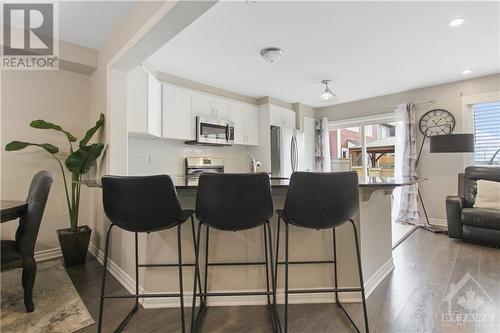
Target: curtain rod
432,101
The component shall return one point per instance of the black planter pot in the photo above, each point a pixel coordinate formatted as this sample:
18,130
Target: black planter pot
74,245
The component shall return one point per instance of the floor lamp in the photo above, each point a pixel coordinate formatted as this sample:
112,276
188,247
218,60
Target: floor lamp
449,143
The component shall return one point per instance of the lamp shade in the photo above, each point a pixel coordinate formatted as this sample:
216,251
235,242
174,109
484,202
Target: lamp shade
452,143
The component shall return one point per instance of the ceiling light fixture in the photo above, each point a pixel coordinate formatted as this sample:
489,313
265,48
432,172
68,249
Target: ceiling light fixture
327,94
467,71
456,22
271,54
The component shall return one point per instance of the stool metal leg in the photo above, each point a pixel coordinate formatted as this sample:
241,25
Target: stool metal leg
205,286
194,243
358,255
335,276
196,272
181,289
273,284
103,283
286,276
267,263
277,253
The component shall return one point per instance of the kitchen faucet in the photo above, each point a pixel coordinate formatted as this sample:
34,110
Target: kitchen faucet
253,163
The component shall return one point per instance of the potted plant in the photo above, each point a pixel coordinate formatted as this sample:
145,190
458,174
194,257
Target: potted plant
75,240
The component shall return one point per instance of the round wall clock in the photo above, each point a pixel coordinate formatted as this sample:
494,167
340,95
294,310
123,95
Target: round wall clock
436,122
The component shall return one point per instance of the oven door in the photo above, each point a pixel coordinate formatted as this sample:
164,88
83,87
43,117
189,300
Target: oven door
209,130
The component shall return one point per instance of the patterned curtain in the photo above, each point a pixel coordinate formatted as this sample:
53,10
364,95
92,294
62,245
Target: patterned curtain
322,151
408,201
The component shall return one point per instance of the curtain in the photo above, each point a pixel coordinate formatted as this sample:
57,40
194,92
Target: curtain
322,151
406,199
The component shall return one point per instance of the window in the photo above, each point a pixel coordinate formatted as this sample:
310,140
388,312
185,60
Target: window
486,122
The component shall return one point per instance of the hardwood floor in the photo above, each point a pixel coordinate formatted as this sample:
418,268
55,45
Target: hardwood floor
409,300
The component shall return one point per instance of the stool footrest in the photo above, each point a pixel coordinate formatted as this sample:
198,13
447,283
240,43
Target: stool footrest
164,265
139,295
243,293
328,290
307,262
250,263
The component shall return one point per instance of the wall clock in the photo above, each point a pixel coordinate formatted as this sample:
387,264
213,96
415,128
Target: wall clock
436,122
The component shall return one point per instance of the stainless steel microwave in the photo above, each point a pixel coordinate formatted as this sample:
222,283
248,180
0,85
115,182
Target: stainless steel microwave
214,131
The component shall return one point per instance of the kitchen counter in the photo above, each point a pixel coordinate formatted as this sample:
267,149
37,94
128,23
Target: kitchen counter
181,183
373,222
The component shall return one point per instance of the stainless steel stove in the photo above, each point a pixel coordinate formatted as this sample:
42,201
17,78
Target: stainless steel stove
195,166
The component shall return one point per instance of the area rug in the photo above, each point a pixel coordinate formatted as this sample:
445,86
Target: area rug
58,307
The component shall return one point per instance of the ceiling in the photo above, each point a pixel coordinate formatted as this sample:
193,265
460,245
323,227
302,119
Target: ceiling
89,23
367,49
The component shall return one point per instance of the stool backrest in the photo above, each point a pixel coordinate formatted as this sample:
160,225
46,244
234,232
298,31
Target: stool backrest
141,204
321,200
234,201
29,223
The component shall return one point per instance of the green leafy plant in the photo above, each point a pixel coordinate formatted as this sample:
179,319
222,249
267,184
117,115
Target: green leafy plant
78,163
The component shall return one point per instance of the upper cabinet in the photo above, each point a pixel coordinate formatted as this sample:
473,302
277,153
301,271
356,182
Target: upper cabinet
144,103
282,117
178,120
210,106
246,123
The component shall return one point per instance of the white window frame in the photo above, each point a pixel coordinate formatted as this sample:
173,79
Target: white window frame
362,122
468,101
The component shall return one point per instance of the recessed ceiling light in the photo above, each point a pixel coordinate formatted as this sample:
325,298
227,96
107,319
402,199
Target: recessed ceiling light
467,71
456,22
271,54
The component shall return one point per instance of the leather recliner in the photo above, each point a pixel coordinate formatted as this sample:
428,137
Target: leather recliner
481,225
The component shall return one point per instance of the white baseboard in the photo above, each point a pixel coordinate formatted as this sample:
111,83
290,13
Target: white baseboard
170,302
439,222
49,254
378,276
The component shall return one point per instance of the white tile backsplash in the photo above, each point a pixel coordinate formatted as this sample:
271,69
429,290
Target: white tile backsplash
163,156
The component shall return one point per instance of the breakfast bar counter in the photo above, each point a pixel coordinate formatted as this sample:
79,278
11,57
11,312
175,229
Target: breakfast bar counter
374,228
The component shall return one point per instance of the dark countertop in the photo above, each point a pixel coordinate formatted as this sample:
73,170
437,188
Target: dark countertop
181,183
372,182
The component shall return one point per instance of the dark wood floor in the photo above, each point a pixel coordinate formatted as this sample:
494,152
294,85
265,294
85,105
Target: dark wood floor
409,300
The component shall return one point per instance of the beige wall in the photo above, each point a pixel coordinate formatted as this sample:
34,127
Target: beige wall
58,96
441,170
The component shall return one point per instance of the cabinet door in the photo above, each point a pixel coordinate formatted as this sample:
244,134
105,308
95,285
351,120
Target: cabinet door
154,106
237,116
178,122
220,108
275,116
252,125
201,105
137,97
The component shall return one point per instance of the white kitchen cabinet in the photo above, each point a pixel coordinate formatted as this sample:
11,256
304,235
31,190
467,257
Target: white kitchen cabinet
252,125
237,116
246,123
178,121
144,103
201,104
220,108
282,117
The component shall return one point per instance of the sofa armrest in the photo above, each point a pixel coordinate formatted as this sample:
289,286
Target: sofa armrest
454,205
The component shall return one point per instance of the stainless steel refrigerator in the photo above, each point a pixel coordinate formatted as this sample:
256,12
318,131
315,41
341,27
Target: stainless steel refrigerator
286,151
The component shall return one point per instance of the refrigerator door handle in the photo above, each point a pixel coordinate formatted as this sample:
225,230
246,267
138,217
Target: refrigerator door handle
296,153
293,155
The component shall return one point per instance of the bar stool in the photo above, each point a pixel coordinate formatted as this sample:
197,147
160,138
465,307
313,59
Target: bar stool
321,201
233,202
143,204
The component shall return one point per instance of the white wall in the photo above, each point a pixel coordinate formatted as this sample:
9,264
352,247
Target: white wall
441,170
58,96
158,156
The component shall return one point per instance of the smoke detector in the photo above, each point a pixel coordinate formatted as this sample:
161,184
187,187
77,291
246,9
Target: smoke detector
271,54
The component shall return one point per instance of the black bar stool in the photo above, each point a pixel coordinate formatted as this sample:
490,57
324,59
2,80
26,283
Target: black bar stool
233,202
143,204
321,201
